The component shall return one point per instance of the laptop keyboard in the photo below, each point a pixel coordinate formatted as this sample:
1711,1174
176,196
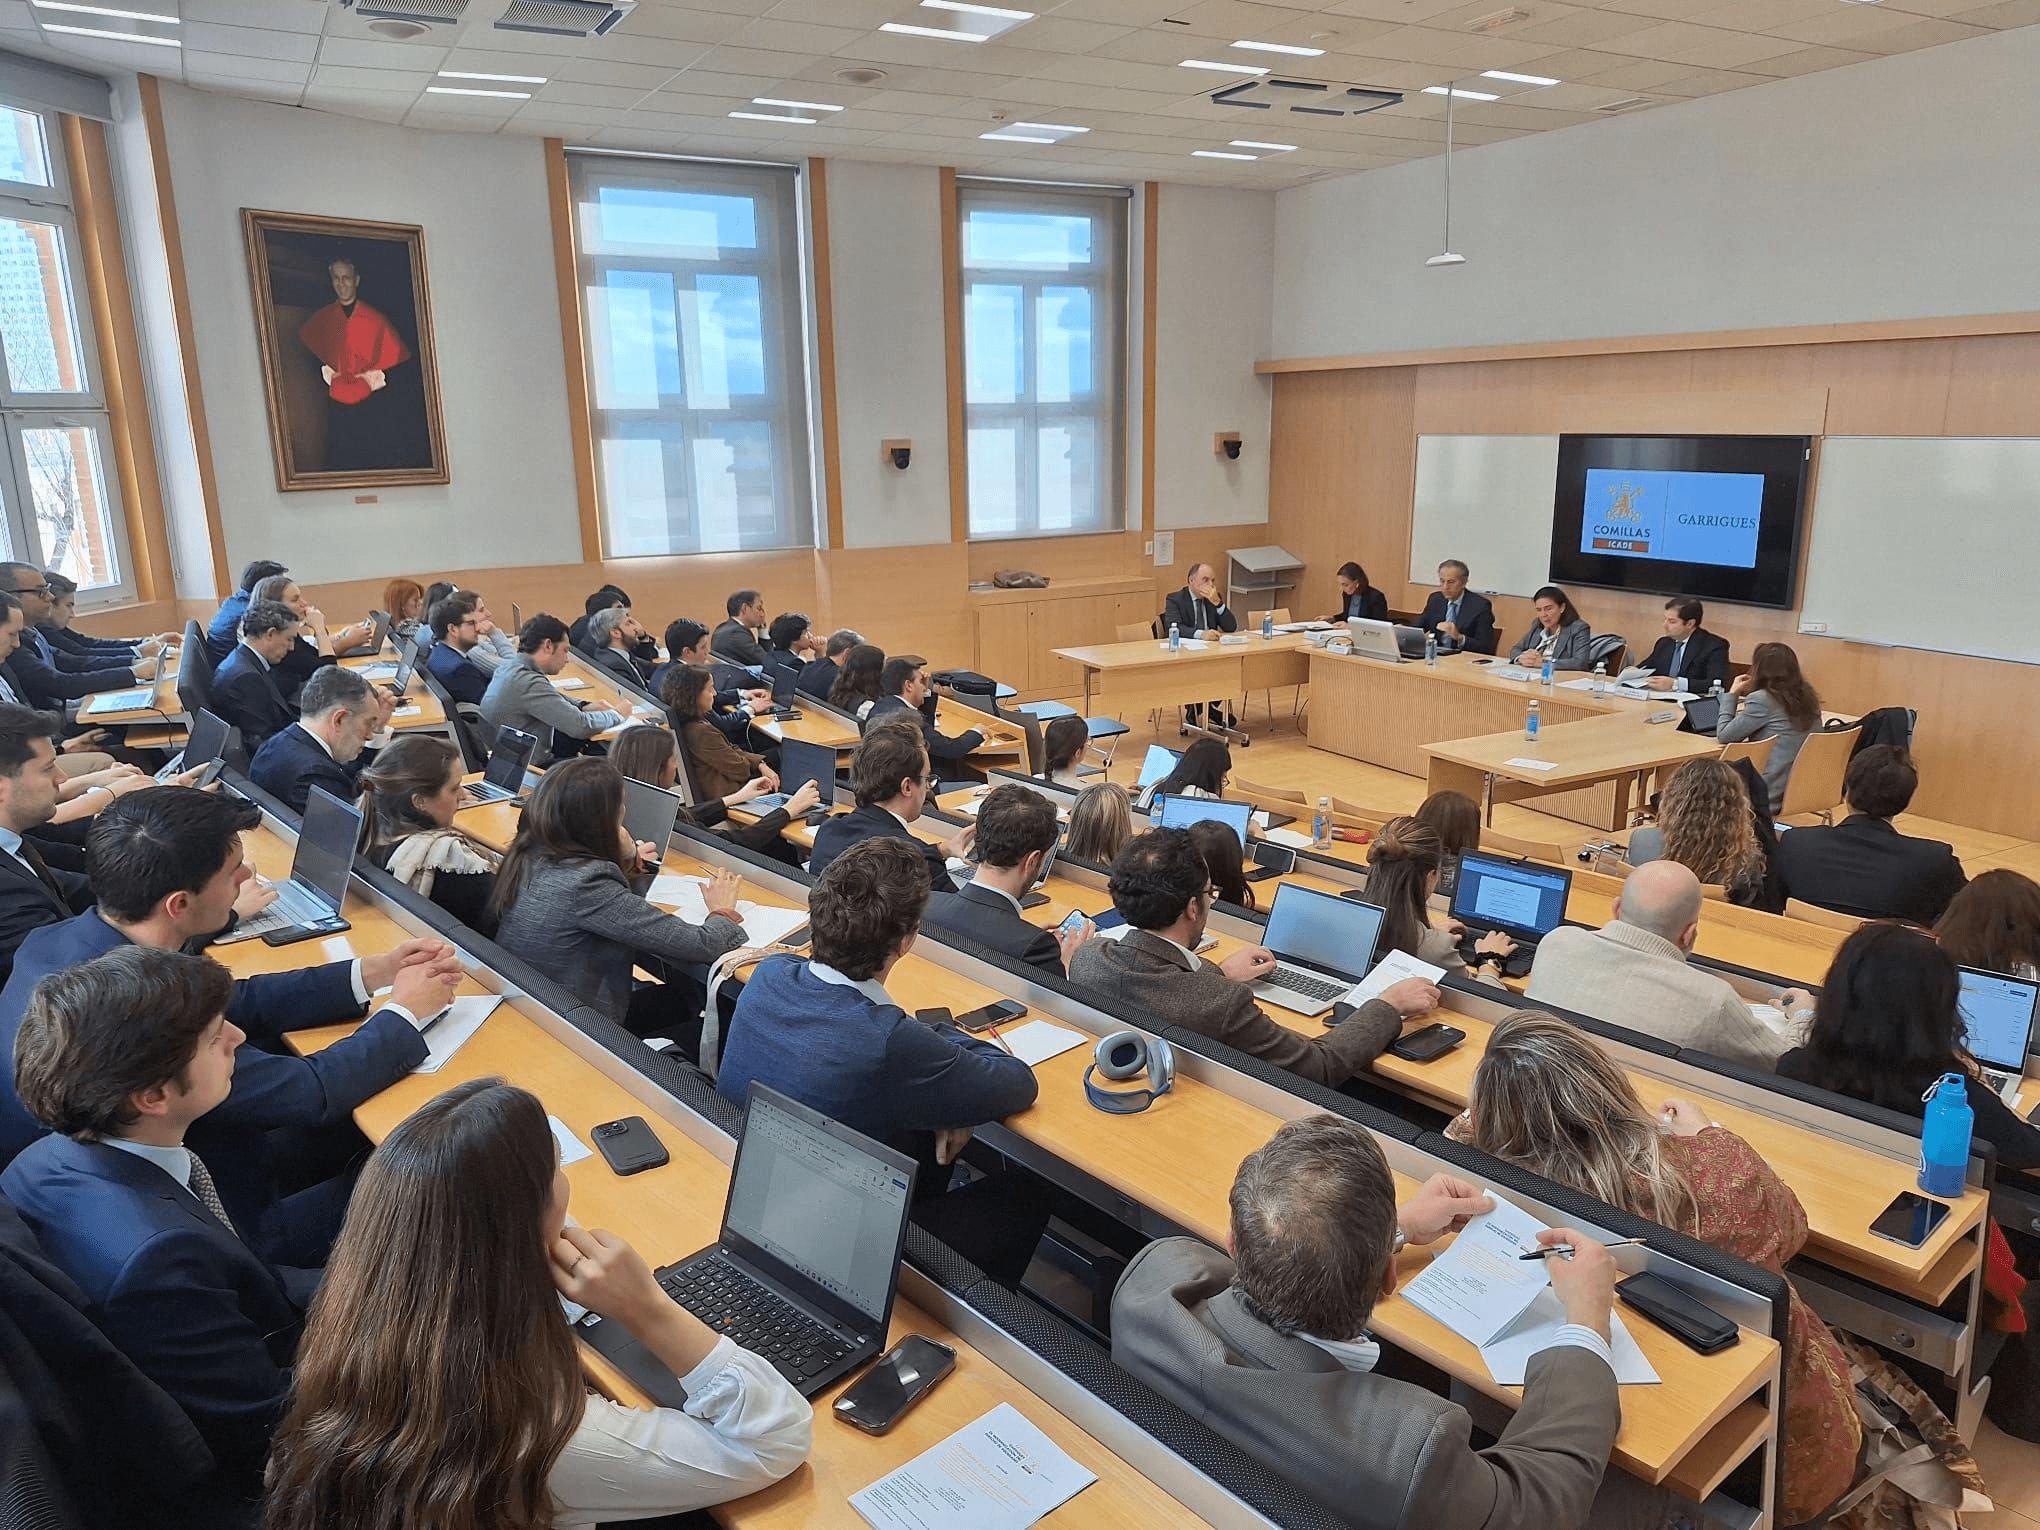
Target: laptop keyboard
1304,983
291,909
483,791
731,1302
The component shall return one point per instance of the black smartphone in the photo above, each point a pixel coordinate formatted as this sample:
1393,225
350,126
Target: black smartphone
900,1377
629,1145
312,931
1910,1219
797,937
992,1014
1427,1042
936,1014
1271,858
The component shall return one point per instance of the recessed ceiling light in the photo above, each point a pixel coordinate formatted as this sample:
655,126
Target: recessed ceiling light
455,90
1219,154
1464,95
1261,47
1205,63
133,37
977,10
1248,143
107,10
942,32
1048,127
1016,138
799,106
500,79
1514,79
771,117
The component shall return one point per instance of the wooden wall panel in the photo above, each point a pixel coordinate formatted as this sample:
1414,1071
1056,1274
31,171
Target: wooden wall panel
1341,485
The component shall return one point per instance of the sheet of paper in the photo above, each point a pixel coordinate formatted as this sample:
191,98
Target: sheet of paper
1524,762
452,1030
1037,1041
763,925
572,1148
570,683
1508,1357
1117,932
1189,643
1479,1286
404,711
1259,819
1389,971
1303,626
999,1473
1293,838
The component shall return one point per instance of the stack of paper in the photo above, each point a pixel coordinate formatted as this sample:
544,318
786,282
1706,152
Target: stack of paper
1290,837
1389,971
451,1031
763,925
1000,1473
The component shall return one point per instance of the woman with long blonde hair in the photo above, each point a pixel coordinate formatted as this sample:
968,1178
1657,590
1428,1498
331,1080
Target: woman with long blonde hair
1546,1098
1707,823
1101,820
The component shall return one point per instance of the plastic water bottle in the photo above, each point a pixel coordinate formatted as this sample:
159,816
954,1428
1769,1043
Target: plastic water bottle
1321,828
1267,624
1431,649
1530,722
1544,673
1175,638
1944,1142
1714,690
1600,678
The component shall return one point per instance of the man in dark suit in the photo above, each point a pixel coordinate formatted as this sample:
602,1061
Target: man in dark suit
46,676
737,638
456,633
77,754
224,630
1162,887
907,692
613,637
790,642
890,778
1687,651
1460,619
1016,827
342,712
32,892
1269,1347
818,675
1863,865
1196,611
247,691
119,1058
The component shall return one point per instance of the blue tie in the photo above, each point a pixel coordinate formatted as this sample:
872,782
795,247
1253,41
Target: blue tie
42,646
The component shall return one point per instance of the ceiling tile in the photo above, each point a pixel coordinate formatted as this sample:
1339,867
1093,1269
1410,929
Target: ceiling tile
1807,61
348,52
1054,34
572,93
252,42
803,37
280,15
2004,15
202,68
333,77
590,71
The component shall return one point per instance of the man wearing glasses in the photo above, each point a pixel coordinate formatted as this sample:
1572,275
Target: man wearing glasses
890,777
46,678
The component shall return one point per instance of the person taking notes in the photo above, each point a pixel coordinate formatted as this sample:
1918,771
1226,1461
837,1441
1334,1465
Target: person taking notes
1460,619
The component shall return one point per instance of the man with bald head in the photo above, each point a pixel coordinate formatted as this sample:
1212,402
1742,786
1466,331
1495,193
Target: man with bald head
1633,972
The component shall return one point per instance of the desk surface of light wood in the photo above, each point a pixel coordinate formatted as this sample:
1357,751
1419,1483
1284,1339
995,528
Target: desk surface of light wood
668,1213
1478,672
164,706
1153,653
1591,749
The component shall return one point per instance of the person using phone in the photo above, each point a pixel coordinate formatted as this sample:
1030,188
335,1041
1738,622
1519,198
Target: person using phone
439,1363
1016,828
1547,1098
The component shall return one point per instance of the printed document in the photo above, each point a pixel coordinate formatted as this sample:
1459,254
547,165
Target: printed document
1000,1473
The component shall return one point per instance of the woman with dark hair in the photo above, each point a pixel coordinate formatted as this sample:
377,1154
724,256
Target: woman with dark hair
1455,818
1994,923
1063,743
715,766
438,1383
1357,597
1770,700
408,800
1402,873
856,689
1220,848
566,889
1558,631
1887,1028
652,755
1203,771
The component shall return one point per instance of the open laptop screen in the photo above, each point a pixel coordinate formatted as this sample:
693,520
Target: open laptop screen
327,836
1524,899
1157,763
820,1199
207,742
649,813
1997,1017
1181,812
1323,929
509,759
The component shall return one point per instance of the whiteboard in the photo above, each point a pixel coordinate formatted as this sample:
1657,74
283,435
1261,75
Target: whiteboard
1926,542
1487,501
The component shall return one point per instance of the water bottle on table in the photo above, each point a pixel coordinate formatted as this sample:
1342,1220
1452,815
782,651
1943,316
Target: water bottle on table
1544,672
1267,624
1431,649
1600,677
1944,1140
1321,825
1530,722
1175,638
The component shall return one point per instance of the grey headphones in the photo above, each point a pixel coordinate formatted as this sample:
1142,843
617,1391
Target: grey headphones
1124,1055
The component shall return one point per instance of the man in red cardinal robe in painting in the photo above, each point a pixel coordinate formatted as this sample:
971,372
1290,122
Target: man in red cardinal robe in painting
358,348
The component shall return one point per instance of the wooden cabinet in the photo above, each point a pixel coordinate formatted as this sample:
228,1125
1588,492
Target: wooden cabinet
1014,631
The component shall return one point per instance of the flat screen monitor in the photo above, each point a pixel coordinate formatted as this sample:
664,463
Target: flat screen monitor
1718,517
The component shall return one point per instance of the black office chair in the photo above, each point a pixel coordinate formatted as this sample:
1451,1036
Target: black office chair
194,676
472,735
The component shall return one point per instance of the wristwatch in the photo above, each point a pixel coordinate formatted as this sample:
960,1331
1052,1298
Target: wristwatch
1402,1241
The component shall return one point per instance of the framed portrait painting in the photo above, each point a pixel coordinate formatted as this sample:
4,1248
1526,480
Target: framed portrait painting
344,319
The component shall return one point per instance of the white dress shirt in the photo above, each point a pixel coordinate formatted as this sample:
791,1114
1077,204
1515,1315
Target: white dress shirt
744,1427
173,1161
871,988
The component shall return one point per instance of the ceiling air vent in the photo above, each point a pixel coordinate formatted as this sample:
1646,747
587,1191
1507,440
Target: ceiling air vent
1494,21
428,13
1626,104
565,18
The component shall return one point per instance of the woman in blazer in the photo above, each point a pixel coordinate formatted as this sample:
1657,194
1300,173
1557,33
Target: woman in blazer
409,797
565,896
1771,700
1558,631
1402,873
1357,597
715,766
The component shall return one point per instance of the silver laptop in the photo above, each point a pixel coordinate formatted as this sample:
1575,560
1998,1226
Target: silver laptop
1323,945
1997,1026
309,903
504,778
1373,639
649,813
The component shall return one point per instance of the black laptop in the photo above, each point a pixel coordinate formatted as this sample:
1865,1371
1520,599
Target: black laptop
309,903
809,1257
649,813
800,763
1522,899
503,779
207,743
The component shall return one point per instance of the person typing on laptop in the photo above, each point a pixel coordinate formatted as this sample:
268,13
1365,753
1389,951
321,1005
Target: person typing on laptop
1162,888
1403,862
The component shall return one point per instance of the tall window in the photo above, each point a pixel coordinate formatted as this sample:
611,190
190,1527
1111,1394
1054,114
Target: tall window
691,303
60,507
1044,325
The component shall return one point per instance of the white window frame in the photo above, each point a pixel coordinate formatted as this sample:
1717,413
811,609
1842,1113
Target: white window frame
22,413
1108,278
780,267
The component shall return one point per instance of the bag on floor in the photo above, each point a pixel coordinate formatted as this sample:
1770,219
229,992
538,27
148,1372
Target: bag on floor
1918,1474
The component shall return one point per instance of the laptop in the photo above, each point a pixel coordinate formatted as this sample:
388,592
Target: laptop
1409,641
1172,812
1997,1026
385,669
1323,945
1525,902
309,903
207,742
808,1260
516,620
136,699
503,779
407,666
800,763
1157,763
783,693
649,813
1373,639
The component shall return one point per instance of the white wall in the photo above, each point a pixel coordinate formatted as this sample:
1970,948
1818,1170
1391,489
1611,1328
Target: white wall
1214,285
885,259
1899,188
488,239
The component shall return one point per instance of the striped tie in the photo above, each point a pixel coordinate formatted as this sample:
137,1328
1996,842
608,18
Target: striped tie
208,1193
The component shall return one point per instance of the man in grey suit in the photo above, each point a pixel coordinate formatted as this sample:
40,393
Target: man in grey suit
1162,888
1016,828
1270,1348
521,695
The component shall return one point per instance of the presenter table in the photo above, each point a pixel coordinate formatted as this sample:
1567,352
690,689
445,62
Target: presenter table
1614,753
1135,677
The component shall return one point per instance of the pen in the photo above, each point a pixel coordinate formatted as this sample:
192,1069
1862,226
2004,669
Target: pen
1566,1248
993,1031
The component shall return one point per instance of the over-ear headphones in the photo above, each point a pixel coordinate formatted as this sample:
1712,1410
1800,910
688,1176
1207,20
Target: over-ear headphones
1124,1055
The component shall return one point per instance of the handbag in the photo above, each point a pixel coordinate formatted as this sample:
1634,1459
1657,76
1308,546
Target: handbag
1918,1474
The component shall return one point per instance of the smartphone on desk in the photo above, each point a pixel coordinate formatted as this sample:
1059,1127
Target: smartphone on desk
1427,1042
1910,1219
901,1377
981,1020
629,1145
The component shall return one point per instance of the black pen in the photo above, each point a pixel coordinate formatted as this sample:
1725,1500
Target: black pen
1567,1248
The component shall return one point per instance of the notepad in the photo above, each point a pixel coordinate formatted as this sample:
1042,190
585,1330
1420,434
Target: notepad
570,683
763,925
1037,1041
119,701
1508,1357
572,1148
451,1031
1293,838
999,1473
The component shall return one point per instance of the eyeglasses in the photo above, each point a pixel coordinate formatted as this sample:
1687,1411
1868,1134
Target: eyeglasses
28,589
